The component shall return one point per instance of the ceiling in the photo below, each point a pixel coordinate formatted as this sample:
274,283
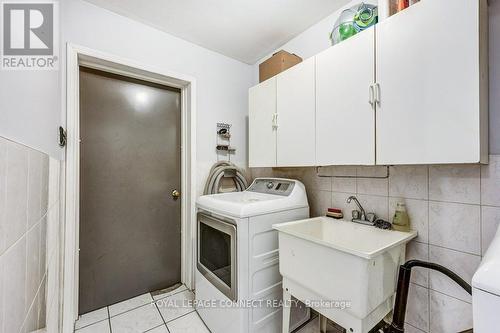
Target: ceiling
246,30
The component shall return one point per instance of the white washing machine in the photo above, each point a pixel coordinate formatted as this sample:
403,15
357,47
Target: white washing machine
486,290
238,284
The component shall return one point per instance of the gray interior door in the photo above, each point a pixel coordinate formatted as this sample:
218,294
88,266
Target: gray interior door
130,225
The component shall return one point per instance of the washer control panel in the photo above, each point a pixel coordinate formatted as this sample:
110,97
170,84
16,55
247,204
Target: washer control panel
272,186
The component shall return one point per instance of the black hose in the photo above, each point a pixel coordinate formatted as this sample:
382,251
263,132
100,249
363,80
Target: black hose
398,319
461,282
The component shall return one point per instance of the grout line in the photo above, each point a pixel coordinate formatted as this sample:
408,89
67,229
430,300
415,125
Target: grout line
3,204
408,198
344,192
451,249
127,311
27,230
149,303
184,315
25,234
161,315
109,320
421,330
420,285
450,296
51,205
153,328
428,248
356,180
456,203
481,210
490,206
79,328
388,200
206,326
22,145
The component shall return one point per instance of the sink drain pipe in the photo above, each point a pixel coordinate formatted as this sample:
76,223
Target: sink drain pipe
398,319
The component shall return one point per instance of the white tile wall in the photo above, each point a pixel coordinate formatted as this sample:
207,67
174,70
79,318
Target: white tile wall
490,182
456,210
29,229
455,226
411,182
490,220
448,314
464,264
419,251
455,183
3,170
418,307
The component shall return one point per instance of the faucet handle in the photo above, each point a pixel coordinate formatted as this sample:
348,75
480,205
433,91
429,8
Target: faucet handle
356,214
371,217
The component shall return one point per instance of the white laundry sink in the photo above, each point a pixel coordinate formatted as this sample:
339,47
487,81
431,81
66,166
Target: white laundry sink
331,264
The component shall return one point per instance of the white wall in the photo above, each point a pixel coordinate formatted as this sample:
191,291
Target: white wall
30,101
29,108
316,39
222,83
313,40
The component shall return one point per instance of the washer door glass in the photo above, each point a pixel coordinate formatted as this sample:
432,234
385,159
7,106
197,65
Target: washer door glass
215,252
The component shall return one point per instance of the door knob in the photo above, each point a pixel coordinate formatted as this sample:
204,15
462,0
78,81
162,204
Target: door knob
176,194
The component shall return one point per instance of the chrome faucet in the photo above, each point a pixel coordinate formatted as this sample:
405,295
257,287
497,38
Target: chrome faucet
360,216
361,209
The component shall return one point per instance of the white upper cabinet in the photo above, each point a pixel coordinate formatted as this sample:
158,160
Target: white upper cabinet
261,129
433,76
345,115
296,114
411,90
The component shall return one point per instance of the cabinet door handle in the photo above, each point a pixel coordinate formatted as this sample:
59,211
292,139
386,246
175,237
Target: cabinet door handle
371,97
275,120
377,93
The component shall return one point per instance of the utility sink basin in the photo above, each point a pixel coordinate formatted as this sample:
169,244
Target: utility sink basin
344,270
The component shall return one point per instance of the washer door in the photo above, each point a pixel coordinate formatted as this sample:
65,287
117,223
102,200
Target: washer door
217,253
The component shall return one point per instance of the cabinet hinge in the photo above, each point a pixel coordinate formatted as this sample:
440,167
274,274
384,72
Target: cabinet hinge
62,137
275,121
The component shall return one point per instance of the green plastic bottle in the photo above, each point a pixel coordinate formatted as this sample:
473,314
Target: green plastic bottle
401,221
347,30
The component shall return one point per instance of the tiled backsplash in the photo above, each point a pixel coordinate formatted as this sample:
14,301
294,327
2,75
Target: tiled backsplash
455,208
29,229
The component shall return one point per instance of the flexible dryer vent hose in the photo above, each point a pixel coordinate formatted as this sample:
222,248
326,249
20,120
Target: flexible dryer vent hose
217,172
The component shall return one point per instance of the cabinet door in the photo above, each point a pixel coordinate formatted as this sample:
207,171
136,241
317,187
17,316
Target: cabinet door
345,119
296,114
261,132
430,67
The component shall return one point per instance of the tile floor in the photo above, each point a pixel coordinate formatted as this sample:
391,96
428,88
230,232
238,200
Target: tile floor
165,313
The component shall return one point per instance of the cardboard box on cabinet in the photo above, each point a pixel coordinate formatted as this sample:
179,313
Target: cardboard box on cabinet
279,62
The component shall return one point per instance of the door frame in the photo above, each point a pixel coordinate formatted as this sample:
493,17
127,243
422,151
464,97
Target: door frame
77,55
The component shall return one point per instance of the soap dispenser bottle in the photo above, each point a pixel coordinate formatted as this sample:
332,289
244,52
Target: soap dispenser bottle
401,221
